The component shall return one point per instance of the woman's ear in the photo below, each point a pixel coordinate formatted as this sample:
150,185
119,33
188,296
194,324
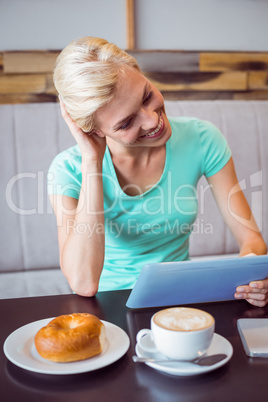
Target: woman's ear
98,133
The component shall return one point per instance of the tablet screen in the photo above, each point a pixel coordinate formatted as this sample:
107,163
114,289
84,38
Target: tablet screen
175,283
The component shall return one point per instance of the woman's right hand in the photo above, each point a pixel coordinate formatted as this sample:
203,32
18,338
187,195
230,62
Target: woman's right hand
92,146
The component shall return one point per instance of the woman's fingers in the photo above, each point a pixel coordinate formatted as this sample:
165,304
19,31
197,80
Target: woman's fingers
258,303
79,135
64,112
255,293
248,289
69,121
92,145
254,286
259,284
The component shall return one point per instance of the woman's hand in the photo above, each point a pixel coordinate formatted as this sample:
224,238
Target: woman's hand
255,293
92,146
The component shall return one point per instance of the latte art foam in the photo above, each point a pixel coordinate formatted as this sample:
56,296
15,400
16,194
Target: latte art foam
183,319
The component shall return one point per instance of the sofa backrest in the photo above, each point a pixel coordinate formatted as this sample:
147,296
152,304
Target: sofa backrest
244,125
32,135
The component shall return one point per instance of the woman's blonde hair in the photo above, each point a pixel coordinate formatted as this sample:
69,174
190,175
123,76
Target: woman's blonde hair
86,74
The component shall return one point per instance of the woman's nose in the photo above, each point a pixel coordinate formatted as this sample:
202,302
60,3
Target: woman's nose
150,119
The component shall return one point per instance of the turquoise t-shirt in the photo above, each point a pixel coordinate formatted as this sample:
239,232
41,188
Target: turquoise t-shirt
154,226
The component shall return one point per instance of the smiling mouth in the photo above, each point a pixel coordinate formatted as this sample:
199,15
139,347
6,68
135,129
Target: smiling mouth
157,130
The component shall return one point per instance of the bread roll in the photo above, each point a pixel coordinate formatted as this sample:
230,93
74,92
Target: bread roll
72,337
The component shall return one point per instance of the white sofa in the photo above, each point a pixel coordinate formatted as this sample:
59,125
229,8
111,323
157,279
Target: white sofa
32,134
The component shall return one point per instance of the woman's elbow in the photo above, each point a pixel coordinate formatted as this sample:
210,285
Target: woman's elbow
89,291
83,288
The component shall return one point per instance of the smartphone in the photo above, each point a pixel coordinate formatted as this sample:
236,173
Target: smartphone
254,336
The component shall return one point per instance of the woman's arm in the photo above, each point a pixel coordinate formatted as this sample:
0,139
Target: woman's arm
236,211
238,216
81,235
81,222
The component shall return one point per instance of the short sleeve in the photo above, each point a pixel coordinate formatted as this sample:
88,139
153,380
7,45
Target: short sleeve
64,175
215,150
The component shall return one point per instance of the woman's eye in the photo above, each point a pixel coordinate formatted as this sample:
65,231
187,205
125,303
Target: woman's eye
126,125
148,97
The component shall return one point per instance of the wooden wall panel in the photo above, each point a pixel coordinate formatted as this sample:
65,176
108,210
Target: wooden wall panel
233,61
165,61
27,76
50,88
234,81
251,95
12,99
29,62
258,80
23,83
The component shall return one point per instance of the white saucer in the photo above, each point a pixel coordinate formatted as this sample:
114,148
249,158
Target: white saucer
20,349
219,345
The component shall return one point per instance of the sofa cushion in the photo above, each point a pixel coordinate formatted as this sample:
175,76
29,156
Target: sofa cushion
33,283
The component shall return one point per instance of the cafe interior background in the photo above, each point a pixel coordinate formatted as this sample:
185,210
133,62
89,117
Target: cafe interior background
199,51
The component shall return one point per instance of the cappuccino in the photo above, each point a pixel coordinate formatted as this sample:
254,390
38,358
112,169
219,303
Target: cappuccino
182,333
183,319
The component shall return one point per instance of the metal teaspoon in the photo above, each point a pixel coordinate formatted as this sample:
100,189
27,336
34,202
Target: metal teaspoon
200,361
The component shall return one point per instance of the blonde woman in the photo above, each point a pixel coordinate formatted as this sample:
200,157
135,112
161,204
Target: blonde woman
125,194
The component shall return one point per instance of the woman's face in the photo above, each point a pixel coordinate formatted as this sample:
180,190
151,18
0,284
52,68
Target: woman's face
136,115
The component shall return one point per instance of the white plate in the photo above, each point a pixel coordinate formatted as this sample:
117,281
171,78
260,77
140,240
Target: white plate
219,345
20,349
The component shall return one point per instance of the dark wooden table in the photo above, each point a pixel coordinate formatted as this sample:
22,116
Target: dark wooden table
241,379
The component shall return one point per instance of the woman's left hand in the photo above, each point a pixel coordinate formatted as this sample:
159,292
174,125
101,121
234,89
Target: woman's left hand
255,293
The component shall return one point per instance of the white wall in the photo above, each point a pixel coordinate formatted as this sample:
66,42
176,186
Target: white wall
240,25
52,24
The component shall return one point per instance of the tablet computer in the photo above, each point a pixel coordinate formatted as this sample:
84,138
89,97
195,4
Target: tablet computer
186,282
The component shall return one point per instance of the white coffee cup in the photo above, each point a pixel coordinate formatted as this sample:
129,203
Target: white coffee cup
181,333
